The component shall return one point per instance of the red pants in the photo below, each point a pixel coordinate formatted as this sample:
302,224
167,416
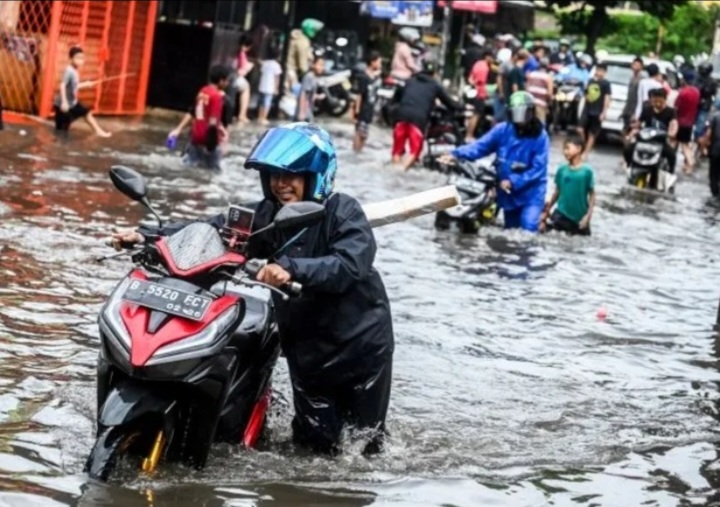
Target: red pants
407,132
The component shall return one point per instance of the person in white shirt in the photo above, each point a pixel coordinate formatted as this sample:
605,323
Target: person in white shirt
270,72
652,82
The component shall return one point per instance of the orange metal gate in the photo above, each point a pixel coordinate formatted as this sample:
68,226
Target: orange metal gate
37,35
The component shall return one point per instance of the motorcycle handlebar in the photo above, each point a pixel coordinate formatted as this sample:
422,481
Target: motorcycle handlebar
123,244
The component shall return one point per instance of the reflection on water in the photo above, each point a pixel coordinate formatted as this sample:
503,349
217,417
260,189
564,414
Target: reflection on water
509,390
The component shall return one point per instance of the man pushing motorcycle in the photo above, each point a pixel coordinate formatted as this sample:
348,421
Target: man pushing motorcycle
522,148
337,337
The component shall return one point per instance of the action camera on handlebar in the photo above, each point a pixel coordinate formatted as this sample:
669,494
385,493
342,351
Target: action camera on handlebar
238,226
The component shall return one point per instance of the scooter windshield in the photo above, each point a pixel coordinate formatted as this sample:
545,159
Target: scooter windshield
197,244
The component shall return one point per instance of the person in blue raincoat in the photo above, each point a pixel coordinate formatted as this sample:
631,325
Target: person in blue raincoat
522,147
579,71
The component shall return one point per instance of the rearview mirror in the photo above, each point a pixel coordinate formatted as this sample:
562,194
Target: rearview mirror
129,182
132,184
304,213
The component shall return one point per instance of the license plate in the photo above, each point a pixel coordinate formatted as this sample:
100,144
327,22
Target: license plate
386,94
167,300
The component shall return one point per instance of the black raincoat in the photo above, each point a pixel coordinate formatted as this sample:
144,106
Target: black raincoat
337,337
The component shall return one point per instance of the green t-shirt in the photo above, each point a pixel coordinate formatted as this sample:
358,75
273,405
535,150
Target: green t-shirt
574,185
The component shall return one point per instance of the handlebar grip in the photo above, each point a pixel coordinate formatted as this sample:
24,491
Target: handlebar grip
123,244
293,288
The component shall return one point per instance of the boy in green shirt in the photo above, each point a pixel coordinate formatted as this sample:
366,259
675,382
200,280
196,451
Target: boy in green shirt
574,194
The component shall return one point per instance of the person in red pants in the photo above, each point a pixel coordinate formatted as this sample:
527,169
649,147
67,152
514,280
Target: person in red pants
416,102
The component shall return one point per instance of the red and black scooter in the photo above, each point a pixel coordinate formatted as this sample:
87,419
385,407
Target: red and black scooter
187,342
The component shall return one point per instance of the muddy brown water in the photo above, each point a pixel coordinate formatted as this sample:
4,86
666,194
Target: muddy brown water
508,389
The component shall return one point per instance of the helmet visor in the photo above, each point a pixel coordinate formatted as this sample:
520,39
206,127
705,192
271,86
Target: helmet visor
519,114
282,149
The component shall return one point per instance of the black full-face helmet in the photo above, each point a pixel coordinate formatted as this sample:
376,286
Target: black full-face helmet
705,69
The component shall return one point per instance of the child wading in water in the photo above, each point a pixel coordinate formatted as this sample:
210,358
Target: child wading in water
67,107
574,194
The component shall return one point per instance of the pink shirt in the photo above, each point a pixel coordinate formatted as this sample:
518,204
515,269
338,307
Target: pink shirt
479,75
242,63
403,65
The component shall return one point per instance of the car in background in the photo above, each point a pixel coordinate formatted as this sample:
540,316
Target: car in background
619,74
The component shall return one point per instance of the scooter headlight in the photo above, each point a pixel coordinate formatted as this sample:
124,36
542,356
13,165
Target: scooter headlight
111,324
560,96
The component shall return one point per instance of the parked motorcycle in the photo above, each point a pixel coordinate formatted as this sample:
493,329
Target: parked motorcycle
477,184
187,342
648,164
566,104
334,85
446,128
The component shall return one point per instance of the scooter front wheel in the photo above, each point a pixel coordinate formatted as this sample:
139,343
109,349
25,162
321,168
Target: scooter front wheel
115,442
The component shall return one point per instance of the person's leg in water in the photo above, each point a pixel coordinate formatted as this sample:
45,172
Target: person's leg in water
416,139
400,136
561,223
90,120
62,120
700,129
512,218
244,101
530,217
592,129
688,152
317,424
628,151
367,407
715,176
264,108
361,135
670,154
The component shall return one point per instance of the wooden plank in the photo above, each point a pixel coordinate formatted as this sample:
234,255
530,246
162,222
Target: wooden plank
412,206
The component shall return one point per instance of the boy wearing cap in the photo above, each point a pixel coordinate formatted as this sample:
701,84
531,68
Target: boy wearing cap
67,106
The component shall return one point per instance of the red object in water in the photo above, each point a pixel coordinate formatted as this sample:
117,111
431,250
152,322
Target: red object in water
255,425
602,313
481,6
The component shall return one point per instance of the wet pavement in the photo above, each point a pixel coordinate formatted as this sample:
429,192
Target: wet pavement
508,389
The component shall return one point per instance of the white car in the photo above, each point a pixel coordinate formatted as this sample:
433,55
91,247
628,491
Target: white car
619,74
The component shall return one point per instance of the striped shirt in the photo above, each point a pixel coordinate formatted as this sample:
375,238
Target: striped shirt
536,83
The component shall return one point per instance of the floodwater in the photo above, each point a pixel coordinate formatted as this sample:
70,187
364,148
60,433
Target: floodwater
509,389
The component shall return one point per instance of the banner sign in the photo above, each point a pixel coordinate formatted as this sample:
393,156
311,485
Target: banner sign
481,6
408,13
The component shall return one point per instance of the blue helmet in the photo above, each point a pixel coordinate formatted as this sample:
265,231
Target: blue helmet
302,148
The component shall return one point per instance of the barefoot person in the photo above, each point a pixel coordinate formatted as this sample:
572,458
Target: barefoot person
67,107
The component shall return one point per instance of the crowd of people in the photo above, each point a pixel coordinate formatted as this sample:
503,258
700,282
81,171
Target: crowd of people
502,72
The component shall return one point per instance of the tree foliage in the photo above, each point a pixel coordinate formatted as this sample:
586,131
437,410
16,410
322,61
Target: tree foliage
593,20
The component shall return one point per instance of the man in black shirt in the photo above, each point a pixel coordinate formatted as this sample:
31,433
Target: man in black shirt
711,140
656,114
597,102
708,89
368,86
515,80
416,103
